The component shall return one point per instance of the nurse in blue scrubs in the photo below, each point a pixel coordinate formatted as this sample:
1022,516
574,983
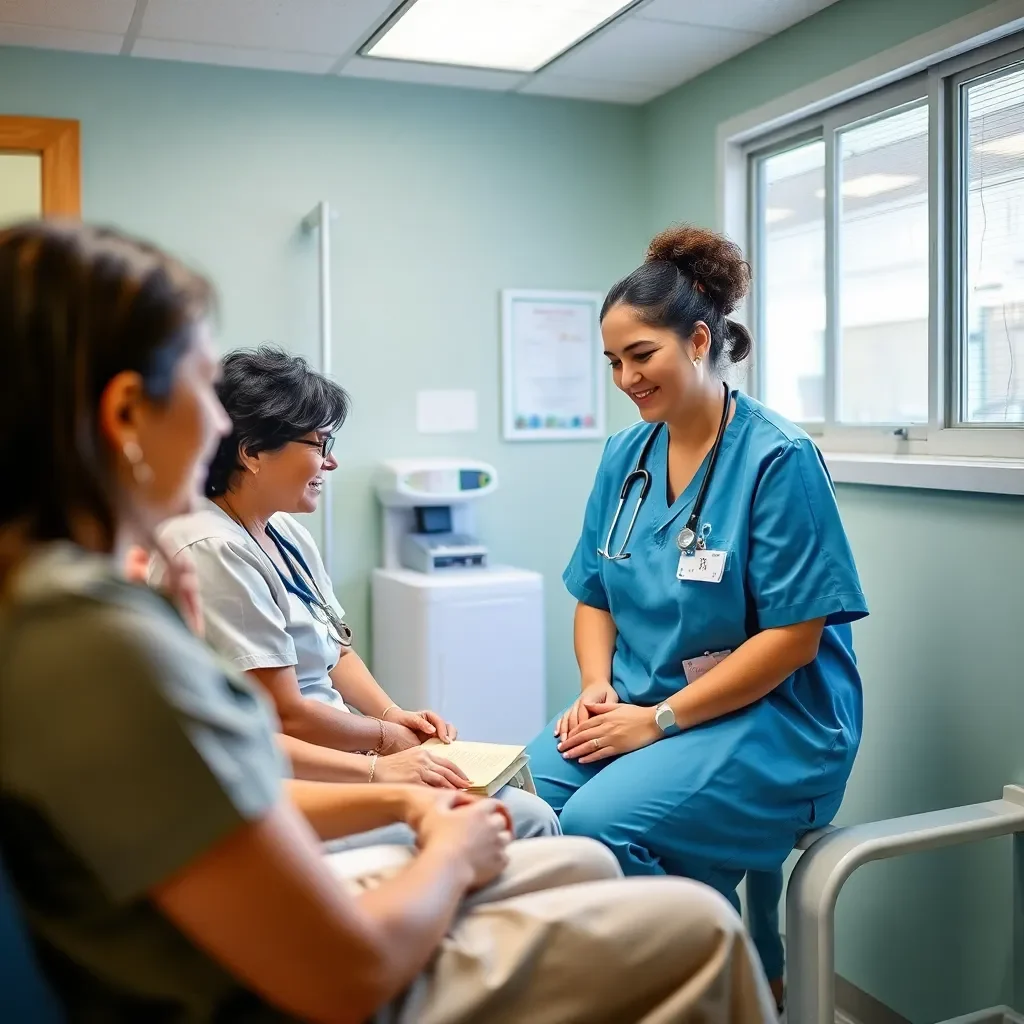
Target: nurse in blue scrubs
720,707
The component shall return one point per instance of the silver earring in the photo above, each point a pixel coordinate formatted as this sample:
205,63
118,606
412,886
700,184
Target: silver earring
696,362
141,470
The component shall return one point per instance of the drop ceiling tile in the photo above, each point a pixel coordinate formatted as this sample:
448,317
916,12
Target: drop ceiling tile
296,26
233,56
109,16
59,39
650,50
653,52
430,74
767,16
601,90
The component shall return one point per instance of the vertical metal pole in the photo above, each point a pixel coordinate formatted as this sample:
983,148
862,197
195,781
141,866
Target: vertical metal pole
320,218
1017,956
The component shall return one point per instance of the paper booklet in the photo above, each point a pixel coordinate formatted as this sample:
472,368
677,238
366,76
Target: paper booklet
489,766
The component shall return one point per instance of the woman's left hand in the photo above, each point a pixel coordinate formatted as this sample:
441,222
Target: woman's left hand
612,729
427,724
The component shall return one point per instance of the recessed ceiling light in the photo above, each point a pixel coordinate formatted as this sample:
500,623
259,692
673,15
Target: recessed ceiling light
773,214
868,185
1008,145
506,35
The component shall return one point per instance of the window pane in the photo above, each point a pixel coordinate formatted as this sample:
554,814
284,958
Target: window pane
792,286
994,287
883,270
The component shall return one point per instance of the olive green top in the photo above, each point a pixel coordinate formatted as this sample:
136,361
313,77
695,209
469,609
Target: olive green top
126,752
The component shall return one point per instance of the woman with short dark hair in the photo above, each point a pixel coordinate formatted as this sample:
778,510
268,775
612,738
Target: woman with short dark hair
275,398
268,602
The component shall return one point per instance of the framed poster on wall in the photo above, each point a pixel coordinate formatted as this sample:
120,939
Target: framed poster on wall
553,373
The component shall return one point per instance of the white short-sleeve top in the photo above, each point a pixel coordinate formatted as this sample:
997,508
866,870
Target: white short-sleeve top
252,619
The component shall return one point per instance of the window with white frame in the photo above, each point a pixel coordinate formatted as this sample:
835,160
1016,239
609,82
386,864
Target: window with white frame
887,241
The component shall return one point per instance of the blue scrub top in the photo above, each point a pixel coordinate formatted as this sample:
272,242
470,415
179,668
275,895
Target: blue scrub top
771,506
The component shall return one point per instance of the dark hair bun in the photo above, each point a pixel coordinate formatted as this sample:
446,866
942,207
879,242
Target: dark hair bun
710,260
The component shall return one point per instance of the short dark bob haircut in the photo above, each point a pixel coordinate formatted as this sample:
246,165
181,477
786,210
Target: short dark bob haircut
272,398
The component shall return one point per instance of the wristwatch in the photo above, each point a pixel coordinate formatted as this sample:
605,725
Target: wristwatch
665,720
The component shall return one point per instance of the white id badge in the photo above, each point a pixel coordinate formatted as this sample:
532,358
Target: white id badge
702,566
694,668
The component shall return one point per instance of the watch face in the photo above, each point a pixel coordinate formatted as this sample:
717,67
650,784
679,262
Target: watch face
664,718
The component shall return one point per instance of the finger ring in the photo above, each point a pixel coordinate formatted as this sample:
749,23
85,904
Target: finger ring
596,742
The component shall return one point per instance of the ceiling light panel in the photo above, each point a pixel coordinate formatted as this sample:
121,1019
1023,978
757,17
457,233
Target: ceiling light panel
507,35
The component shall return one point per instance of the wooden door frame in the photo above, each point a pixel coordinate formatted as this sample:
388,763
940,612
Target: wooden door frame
57,143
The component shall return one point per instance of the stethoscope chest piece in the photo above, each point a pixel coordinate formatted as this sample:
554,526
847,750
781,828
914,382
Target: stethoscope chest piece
686,540
344,631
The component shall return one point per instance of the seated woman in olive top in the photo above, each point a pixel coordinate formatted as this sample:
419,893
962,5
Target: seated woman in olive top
162,870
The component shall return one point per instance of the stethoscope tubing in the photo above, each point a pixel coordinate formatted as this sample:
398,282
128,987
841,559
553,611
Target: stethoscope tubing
640,473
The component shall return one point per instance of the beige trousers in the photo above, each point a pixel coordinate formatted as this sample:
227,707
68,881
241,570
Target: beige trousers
561,937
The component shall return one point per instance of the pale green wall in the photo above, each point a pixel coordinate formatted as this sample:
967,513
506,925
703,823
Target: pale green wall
943,653
444,198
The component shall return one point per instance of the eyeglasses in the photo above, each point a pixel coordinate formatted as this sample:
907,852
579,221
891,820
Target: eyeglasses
326,446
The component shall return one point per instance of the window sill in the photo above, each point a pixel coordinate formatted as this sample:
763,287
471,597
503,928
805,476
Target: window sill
980,476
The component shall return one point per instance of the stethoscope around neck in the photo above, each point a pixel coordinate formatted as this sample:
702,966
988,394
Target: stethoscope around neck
688,539
302,584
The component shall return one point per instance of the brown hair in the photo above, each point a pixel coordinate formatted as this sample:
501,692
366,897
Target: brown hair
79,305
690,275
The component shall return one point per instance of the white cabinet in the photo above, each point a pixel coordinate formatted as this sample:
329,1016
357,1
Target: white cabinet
468,644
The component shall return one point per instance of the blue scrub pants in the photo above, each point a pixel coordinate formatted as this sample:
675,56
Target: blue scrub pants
698,805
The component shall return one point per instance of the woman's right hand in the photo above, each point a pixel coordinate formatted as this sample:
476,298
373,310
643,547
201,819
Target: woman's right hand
421,766
595,693
476,833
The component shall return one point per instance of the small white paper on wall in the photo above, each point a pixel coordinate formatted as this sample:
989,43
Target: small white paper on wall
446,412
